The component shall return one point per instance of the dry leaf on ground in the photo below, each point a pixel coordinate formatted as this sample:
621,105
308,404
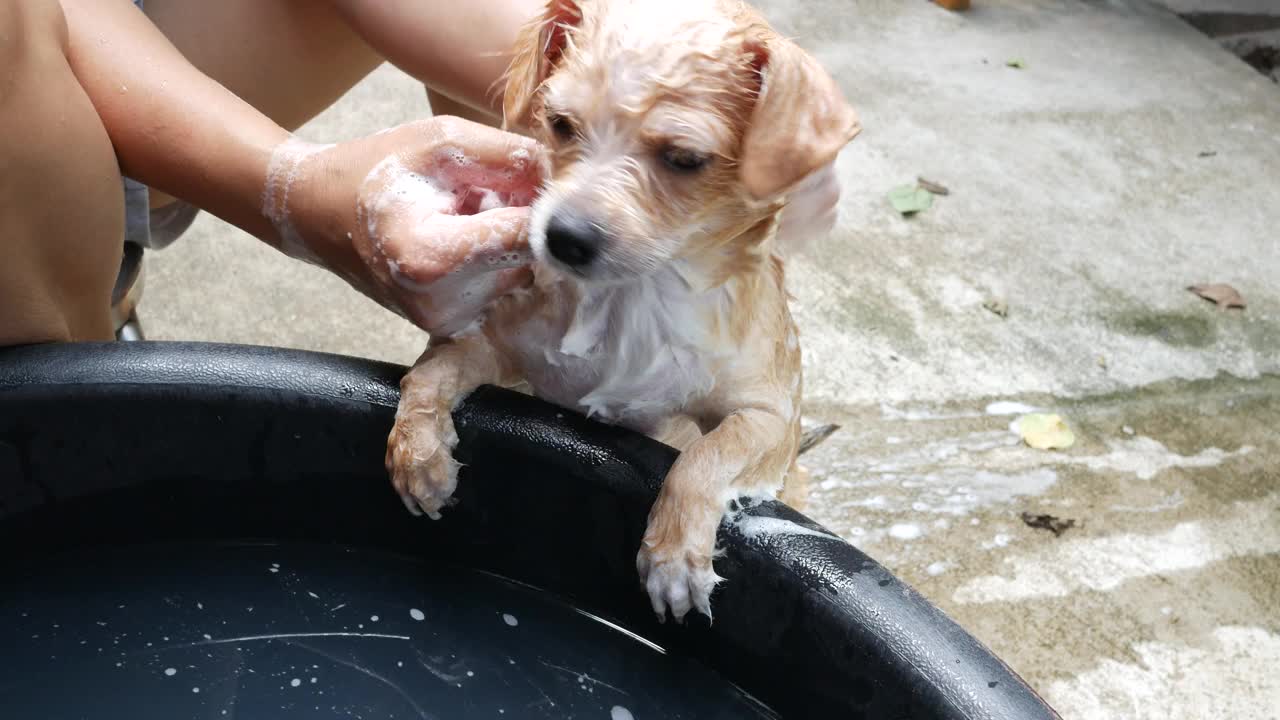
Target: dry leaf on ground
1222,294
997,306
812,438
933,187
1045,432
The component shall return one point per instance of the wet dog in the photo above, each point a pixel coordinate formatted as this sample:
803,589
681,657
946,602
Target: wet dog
678,132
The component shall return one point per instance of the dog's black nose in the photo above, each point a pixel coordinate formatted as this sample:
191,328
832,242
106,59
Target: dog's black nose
573,240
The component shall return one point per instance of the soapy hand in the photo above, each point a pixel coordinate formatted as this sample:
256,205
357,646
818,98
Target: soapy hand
428,218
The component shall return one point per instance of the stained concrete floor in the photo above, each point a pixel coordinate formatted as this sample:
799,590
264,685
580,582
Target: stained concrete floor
1128,158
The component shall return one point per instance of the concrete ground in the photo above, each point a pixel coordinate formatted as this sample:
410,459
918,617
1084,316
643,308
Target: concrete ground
1248,28
1129,157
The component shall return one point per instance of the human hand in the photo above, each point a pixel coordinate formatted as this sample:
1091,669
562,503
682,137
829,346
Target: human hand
427,218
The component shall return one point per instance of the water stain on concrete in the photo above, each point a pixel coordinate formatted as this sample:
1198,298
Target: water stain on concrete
1177,329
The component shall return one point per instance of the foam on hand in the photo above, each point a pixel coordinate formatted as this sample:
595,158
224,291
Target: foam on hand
282,171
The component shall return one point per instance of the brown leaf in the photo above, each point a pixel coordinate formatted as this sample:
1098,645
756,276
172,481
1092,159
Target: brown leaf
1222,294
997,306
814,437
933,187
1055,525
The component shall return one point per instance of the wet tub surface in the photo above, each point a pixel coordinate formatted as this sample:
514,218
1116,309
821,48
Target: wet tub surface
308,631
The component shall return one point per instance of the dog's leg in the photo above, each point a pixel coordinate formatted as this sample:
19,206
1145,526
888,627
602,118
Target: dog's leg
679,432
420,449
748,452
795,487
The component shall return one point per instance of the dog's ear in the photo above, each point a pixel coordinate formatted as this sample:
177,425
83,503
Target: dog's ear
799,122
538,48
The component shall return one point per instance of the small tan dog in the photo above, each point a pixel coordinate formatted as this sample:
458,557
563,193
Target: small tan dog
677,130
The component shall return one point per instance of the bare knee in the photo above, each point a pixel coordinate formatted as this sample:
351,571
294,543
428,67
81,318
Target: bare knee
442,104
291,60
61,201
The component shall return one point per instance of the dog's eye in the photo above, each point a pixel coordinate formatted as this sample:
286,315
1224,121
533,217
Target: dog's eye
562,127
684,161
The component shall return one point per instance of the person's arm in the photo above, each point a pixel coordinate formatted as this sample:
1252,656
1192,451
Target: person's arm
459,49
395,214
172,127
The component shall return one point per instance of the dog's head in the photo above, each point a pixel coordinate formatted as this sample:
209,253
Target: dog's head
676,129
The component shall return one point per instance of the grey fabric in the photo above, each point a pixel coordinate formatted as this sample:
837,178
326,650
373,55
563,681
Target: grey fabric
168,223
137,220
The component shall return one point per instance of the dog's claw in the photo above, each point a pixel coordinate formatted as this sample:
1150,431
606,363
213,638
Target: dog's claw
702,603
420,460
411,505
677,584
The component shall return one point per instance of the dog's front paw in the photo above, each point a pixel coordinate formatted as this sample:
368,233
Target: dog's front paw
678,580
420,457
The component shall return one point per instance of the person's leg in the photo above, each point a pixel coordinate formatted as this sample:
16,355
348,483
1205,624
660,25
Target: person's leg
61,197
442,104
290,59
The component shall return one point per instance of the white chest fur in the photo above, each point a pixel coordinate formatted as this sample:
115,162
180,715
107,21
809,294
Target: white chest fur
632,354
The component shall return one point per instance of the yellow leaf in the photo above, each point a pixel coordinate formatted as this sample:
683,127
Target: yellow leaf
1045,432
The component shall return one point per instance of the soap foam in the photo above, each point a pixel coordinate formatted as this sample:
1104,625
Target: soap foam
282,172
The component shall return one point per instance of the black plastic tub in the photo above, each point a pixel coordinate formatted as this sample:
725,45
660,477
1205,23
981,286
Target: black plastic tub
207,531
